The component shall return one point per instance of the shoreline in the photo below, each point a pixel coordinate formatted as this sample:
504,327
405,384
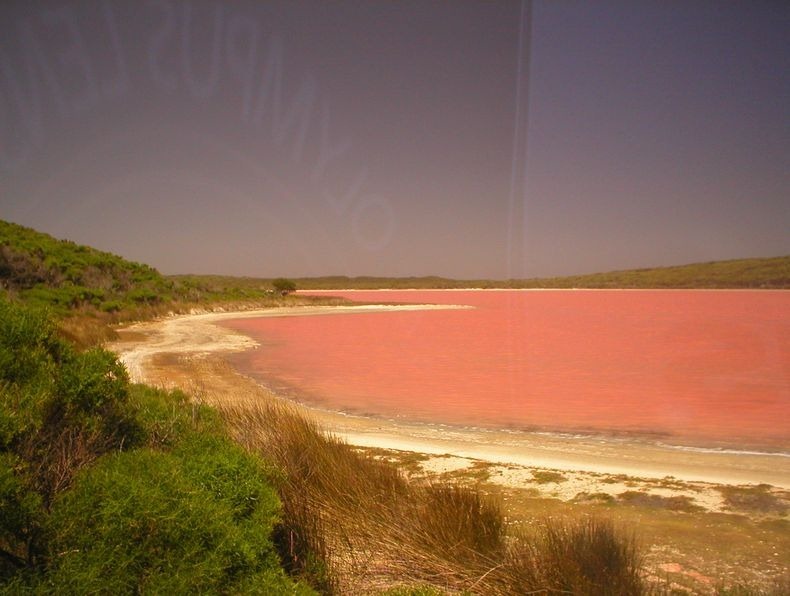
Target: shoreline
306,292
595,455
413,427
151,352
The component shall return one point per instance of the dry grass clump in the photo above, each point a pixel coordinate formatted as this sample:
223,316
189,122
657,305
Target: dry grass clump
590,558
355,524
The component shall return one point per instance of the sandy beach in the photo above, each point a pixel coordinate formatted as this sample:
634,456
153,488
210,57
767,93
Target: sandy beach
186,351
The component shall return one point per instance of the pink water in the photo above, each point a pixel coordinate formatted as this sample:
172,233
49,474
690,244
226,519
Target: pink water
693,367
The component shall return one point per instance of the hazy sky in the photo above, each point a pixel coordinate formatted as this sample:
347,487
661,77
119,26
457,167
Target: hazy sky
465,139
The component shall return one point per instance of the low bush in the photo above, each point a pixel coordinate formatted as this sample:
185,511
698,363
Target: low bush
198,519
107,486
60,409
22,516
163,418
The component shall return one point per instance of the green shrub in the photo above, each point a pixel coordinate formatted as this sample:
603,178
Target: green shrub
29,357
28,345
47,386
21,518
187,511
111,306
197,520
164,418
92,381
59,409
143,295
284,286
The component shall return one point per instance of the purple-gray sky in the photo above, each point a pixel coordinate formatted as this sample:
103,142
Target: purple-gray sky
464,139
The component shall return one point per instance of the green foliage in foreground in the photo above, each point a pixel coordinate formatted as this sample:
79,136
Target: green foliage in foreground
198,519
109,487
53,396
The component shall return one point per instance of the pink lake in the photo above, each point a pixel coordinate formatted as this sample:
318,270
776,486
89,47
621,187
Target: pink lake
687,367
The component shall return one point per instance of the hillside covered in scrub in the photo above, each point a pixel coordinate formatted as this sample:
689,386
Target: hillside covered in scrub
88,290
63,276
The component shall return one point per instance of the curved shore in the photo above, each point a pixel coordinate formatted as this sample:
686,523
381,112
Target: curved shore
157,353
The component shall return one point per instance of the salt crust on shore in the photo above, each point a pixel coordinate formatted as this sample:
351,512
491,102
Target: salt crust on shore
589,465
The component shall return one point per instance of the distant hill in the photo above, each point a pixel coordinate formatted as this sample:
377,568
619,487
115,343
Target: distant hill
763,273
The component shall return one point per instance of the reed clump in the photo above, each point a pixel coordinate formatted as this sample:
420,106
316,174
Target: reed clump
354,524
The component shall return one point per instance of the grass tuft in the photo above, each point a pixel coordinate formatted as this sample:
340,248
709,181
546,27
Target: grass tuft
590,557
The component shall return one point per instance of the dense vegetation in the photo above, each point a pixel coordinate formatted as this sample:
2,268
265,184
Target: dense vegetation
65,276
106,486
